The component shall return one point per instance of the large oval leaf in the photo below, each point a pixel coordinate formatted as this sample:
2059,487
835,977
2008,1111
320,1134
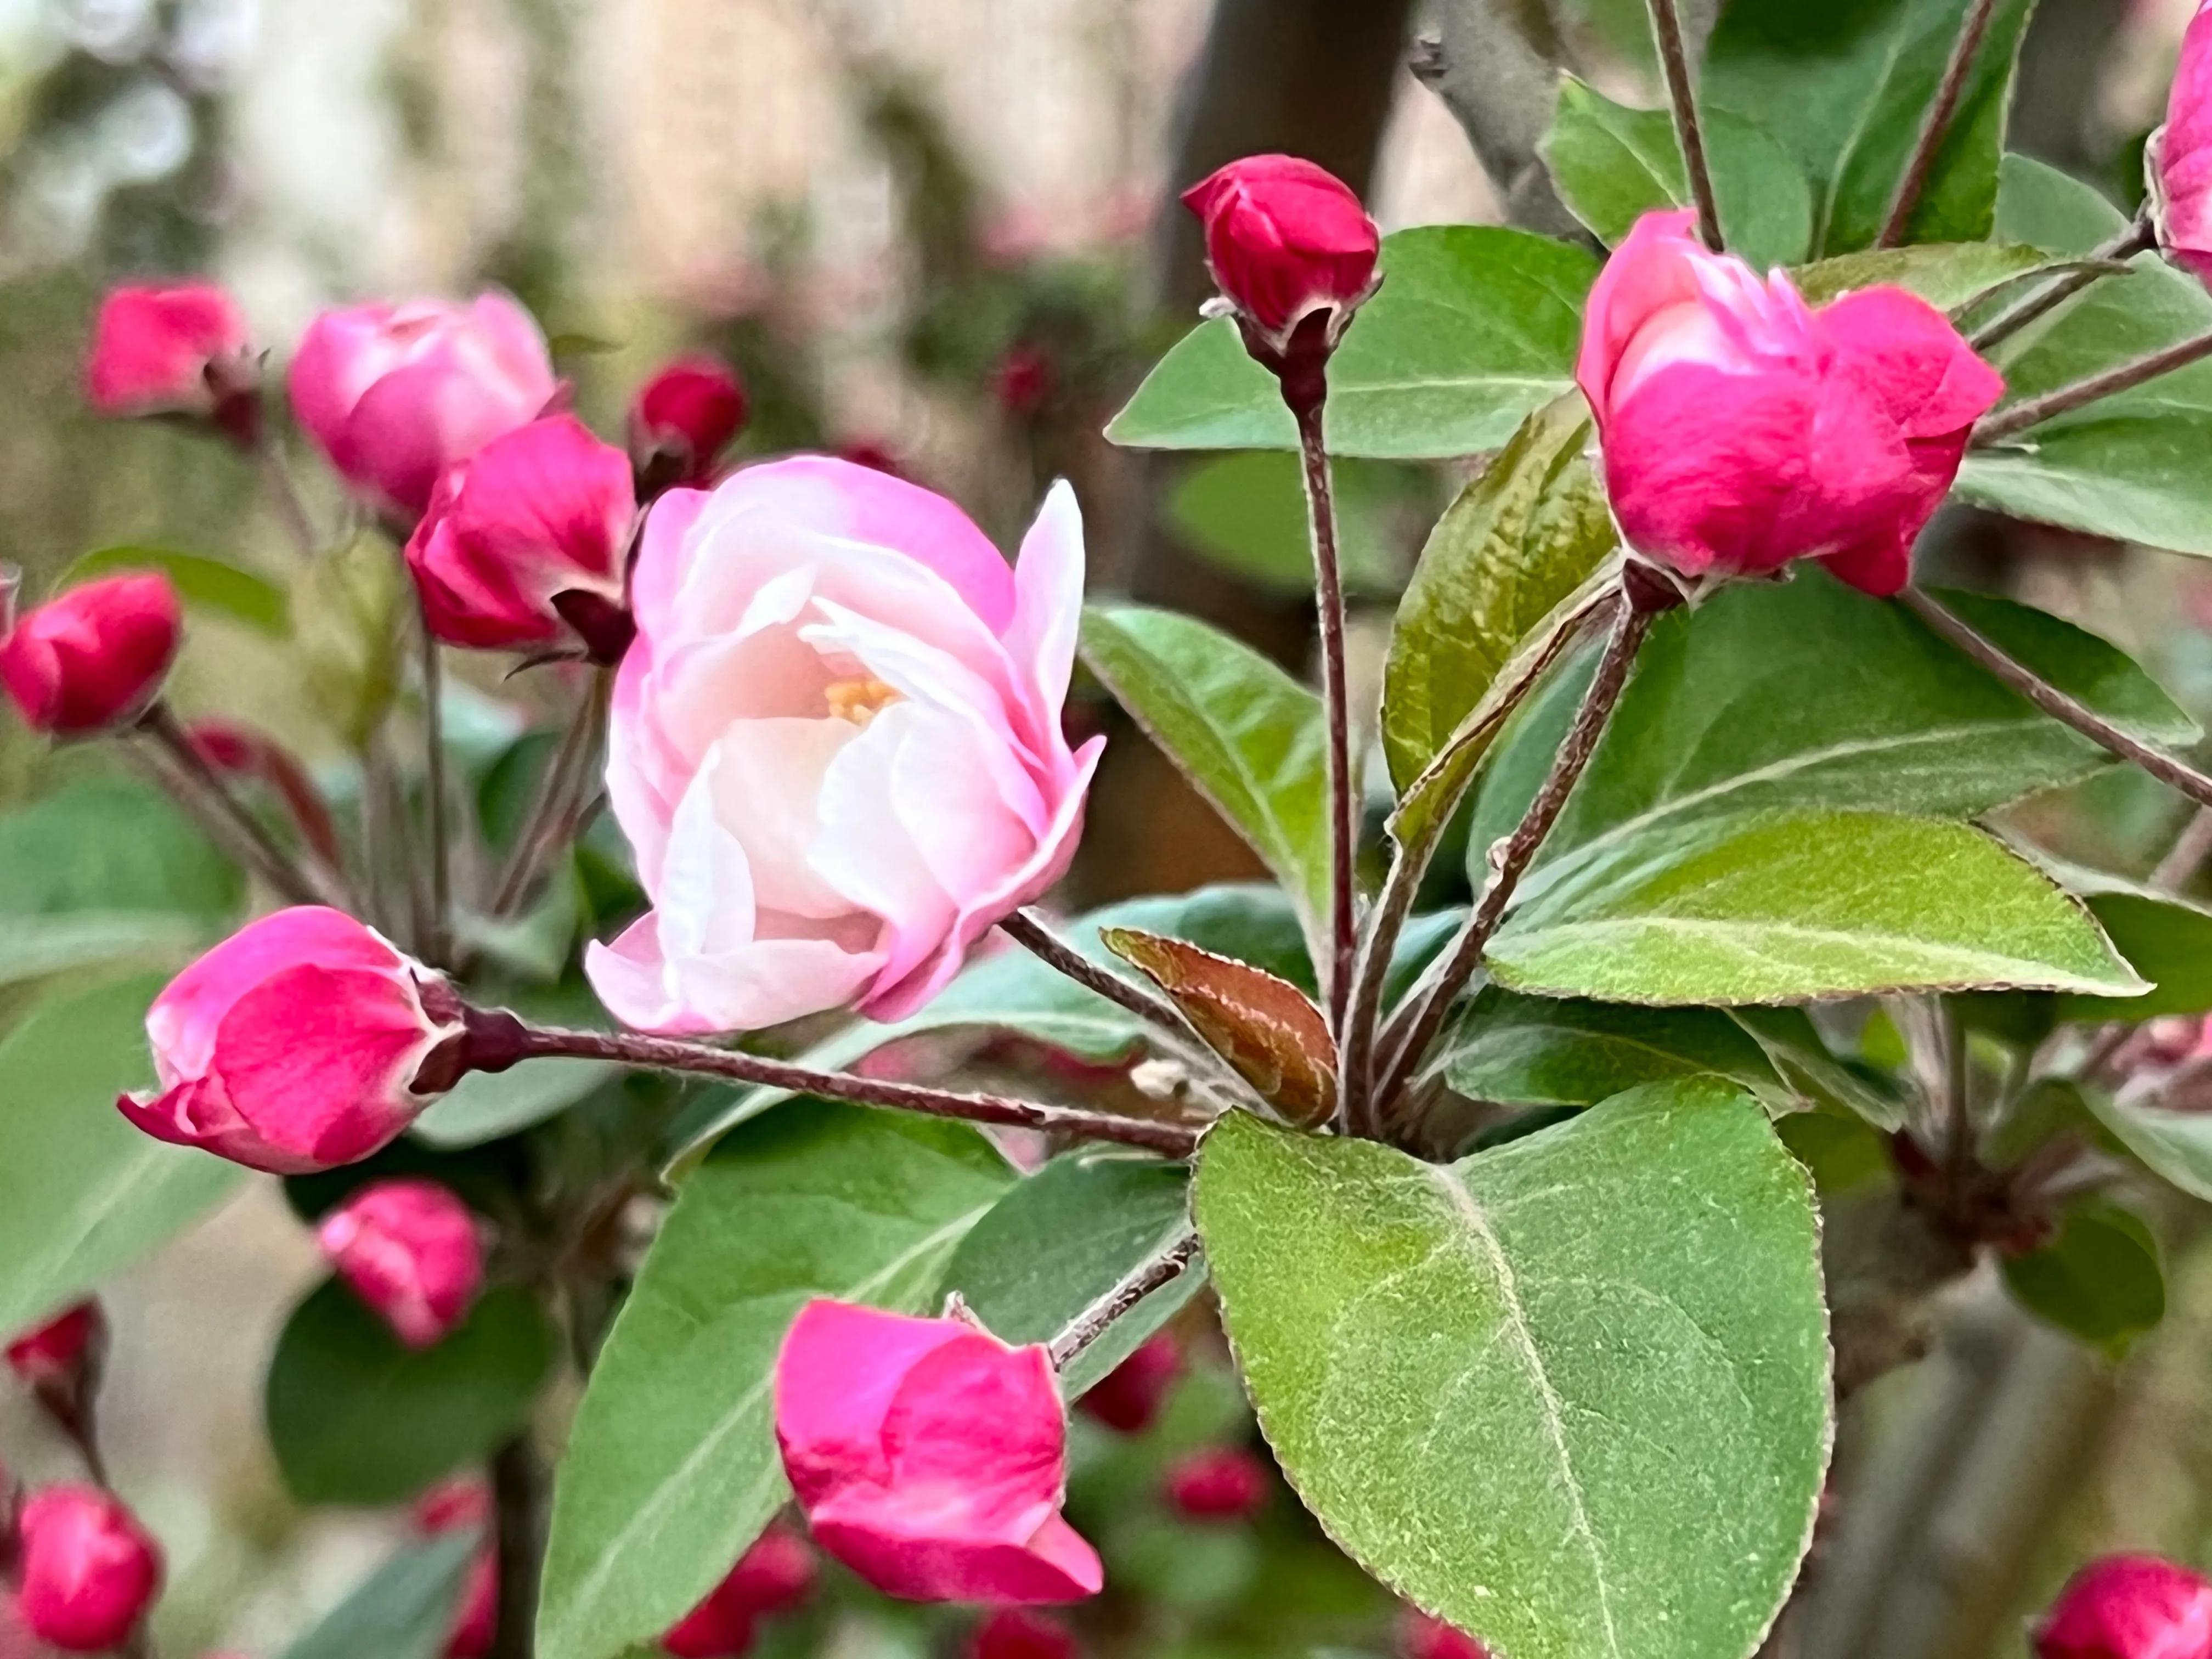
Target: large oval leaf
1614,164
1845,88
357,1418
1472,328
1786,907
1065,1236
1520,538
83,1194
1562,1051
1250,737
672,1468
1570,1393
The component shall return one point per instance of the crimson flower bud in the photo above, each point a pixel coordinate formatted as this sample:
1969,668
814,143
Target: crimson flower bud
681,419
1022,1633
1222,1483
524,543
88,1570
1023,380
178,351
295,1045
93,657
774,1577
2179,158
409,1247
1743,429
929,1457
2128,1607
1286,240
451,1506
56,1357
1420,1636
1129,1396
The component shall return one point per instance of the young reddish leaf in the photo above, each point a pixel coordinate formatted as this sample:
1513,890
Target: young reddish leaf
1265,1027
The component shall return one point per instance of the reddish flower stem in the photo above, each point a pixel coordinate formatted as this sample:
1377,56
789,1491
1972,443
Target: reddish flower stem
1093,1322
1682,100
1972,29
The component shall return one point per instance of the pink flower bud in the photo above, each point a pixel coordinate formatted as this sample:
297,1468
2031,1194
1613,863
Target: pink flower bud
88,1570
1222,1483
2179,158
56,1357
176,350
294,1045
1420,1636
1742,429
92,657
2128,1607
836,747
929,1457
452,1505
868,452
1130,1395
1022,1633
408,1248
682,419
1286,239
396,394
774,1577
524,543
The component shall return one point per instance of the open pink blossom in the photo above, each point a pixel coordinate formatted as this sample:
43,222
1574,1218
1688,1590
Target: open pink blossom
2128,1607
294,1045
395,394
929,1457
524,541
93,656
2178,159
1743,429
409,1250
836,747
86,1569
175,351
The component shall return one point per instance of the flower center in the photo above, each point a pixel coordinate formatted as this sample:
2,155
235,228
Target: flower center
859,701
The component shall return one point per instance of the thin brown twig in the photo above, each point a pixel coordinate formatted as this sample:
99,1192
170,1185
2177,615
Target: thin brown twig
2059,705
1343,787
1087,1327
197,787
1027,929
2033,411
669,1054
1416,1024
551,801
2133,239
2189,851
1937,126
1682,100
439,945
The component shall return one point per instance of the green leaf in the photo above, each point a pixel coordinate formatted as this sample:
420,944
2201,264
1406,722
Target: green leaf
1246,512
1809,694
2042,207
1798,1053
1789,906
488,1105
210,584
83,1194
1474,327
111,847
1520,538
1845,87
1013,991
355,1417
403,1610
1548,1051
1944,274
2168,938
2100,1280
1570,1394
1062,1238
672,1468
1250,737
2175,1145
2124,466
1614,164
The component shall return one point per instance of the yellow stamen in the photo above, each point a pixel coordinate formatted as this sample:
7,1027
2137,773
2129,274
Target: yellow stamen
859,701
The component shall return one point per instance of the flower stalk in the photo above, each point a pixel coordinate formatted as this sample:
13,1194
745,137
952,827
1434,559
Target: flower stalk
1087,1327
2124,376
1973,29
1682,100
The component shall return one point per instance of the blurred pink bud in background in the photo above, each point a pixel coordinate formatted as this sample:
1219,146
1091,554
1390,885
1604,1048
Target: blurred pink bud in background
408,1248
93,656
87,1570
2128,1607
682,419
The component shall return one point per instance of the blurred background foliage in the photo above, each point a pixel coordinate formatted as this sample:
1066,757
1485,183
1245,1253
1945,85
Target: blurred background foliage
942,233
